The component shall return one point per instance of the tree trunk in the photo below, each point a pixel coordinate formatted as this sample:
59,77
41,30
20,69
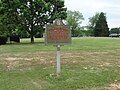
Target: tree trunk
73,33
32,38
32,35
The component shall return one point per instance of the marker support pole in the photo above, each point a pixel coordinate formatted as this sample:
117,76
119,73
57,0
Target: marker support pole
58,61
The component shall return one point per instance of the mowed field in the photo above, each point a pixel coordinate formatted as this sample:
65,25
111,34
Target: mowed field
86,64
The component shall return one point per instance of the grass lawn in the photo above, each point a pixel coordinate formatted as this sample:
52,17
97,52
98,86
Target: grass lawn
86,64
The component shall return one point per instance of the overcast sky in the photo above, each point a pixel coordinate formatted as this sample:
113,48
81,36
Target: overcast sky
89,7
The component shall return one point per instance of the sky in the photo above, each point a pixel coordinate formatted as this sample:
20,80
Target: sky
89,8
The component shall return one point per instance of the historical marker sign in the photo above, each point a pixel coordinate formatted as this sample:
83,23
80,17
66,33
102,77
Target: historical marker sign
57,34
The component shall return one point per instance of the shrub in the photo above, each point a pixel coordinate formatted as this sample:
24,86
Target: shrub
15,38
3,40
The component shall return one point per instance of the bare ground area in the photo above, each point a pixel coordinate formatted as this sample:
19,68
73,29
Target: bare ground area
99,59
115,86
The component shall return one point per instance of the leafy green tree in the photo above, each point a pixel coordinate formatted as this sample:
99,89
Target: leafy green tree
115,31
101,27
32,15
74,19
93,20
82,33
92,23
7,15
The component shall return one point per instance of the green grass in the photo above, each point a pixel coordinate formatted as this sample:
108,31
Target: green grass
78,44
86,64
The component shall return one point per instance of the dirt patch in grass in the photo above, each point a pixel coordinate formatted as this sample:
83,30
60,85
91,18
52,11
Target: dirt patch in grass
100,59
41,84
16,59
11,61
114,86
37,85
96,59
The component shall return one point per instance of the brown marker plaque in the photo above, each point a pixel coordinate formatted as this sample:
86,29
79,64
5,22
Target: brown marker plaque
57,34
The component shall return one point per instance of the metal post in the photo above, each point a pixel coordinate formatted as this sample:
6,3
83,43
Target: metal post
58,61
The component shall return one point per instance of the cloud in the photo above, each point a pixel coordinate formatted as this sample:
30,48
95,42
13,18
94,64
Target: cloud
89,7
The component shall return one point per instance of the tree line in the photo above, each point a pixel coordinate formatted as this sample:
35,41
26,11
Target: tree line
97,26
28,18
